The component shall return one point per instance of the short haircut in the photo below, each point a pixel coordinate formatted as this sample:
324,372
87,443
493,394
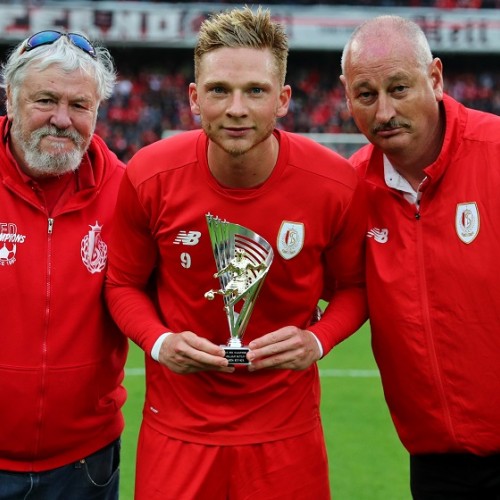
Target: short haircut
242,27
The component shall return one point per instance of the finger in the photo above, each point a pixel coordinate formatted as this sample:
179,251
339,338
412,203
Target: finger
189,365
271,338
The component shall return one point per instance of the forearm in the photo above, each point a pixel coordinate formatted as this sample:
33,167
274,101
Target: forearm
344,315
135,314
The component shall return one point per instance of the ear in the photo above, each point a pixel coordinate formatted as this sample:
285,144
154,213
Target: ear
193,99
436,76
346,92
8,103
284,101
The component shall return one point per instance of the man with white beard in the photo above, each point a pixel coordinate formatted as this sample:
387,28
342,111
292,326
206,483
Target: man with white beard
61,356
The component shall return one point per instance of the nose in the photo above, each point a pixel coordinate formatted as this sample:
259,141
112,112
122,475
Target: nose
60,117
385,109
237,106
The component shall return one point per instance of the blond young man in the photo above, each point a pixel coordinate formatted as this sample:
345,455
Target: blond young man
212,429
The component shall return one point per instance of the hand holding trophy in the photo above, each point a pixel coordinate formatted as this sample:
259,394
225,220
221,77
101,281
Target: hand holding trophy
242,258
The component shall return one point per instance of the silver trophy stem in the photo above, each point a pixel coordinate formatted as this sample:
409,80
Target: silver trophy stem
235,342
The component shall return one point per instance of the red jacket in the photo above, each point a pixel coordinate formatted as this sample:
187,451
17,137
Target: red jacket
433,279
61,357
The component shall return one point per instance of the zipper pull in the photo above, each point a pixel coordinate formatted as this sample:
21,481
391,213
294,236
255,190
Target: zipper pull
51,225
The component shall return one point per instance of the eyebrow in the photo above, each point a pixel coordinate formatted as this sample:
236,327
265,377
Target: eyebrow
393,78
225,83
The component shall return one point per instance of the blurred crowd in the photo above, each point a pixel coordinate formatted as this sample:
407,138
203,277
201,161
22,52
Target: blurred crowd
149,105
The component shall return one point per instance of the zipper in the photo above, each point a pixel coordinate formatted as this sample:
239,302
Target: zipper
50,228
428,328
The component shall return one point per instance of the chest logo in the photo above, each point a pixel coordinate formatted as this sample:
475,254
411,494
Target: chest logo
93,250
290,239
190,238
467,221
9,239
379,235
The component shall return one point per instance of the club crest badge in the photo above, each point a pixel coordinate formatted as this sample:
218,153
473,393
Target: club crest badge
93,250
467,221
290,239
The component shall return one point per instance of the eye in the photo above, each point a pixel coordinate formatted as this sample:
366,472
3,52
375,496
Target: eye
366,96
45,101
82,105
399,89
256,90
218,90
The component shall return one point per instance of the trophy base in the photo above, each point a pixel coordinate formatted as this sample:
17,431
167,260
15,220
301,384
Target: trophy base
236,355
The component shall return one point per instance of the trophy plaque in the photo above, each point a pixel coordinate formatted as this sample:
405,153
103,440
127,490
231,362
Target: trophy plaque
242,258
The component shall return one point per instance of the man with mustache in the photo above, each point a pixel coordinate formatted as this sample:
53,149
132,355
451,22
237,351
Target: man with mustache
432,172
61,355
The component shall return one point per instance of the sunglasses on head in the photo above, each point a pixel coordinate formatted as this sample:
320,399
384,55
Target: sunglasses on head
49,37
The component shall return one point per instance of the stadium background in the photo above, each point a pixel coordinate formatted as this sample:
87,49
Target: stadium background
152,45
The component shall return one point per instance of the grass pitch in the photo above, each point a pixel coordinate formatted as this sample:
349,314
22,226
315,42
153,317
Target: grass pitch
367,461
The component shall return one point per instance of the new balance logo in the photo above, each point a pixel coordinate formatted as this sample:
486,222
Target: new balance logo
379,235
189,238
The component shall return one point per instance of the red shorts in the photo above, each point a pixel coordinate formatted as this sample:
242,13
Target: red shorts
294,468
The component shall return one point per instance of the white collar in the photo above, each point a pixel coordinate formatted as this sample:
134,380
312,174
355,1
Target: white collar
395,180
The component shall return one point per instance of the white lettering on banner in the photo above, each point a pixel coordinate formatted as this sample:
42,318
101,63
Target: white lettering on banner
316,28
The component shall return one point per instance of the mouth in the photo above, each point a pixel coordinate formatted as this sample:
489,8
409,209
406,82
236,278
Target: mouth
58,141
57,138
390,129
237,131
388,132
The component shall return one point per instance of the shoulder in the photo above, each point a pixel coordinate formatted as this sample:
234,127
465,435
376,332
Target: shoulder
319,160
476,125
164,155
483,126
361,159
104,162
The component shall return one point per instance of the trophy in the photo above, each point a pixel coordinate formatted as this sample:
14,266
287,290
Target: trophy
242,258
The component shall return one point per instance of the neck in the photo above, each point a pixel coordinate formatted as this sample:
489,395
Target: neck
246,170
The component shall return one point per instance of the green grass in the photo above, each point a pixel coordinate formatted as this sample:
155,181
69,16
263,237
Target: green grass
367,461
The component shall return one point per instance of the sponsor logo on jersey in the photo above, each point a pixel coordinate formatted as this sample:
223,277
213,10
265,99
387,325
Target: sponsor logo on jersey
9,239
189,238
467,221
93,250
379,235
290,239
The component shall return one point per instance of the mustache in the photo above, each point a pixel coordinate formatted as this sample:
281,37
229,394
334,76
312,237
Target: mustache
390,125
57,132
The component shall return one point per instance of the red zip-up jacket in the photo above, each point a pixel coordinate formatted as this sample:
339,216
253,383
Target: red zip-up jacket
61,356
433,280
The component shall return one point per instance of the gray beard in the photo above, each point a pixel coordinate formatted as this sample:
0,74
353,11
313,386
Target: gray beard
48,164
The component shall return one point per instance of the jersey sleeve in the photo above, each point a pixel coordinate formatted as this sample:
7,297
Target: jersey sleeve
345,289
132,257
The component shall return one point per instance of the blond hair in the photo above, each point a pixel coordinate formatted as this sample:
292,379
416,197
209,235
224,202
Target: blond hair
241,27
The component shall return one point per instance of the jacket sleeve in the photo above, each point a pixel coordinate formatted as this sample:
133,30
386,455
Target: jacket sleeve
345,289
132,258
